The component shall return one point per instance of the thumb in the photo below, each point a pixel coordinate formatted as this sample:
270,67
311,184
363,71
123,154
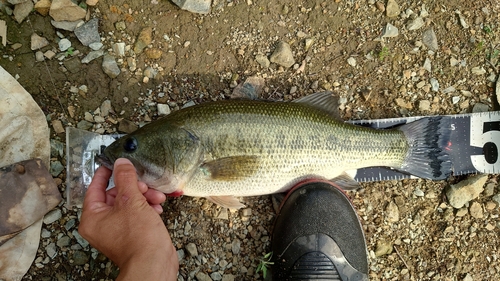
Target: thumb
125,177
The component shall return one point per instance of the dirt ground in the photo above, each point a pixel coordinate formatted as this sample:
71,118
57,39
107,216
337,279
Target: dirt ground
204,56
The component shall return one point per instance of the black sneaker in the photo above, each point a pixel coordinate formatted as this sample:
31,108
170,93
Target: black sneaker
318,236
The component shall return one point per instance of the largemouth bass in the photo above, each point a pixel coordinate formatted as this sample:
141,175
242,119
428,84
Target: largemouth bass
224,149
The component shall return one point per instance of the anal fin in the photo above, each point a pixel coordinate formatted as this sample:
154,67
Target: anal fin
229,201
346,182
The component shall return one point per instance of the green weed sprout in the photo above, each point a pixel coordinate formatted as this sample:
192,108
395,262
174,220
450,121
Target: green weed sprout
265,263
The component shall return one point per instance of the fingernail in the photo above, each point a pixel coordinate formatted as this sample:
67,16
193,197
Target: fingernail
122,161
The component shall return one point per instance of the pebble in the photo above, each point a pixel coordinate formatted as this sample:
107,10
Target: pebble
415,24
110,67
92,55
463,23
282,55
496,198
91,2
96,46
262,60
56,168
480,107
180,254
383,248
392,212
434,84
57,126
80,239
80,258
228,277
194,6
454,61
22,10
119,48
430,40
392,9
200,276
308,43
67,25
424,105
89,32
236,246
192,250
105,108
461,193
250,89
216,276
153,53
427,65
389,31
39,56
351,61
150,72
45,233
448,90
51,250
52,216
223,214
478,70
163,109
63,241
120,25
43,7
418,192
132,64
66,10
64,44
462,212
476,210
38,42
84,125
127,126
143,40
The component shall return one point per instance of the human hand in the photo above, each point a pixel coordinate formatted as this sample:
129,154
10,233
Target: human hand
124,225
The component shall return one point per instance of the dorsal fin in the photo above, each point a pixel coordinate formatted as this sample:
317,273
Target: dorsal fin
324,101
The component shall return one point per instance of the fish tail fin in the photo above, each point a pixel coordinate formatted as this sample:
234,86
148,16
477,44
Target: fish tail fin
429,142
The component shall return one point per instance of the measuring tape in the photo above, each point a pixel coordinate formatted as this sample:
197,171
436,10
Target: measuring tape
475,140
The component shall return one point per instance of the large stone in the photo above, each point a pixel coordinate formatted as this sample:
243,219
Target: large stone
22,10
66,10
194,6
282,55
461,193
88,33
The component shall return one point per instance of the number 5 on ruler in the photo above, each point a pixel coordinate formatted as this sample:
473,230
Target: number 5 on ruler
485,133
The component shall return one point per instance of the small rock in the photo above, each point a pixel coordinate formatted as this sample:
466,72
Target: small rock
180,254
448,90
38,42
389,31
120,25
51,250
434,84
163,109
80,258
110,67
89,32
63,241
250,89
96,46
92,56
496,198
64,44
127,126
56,168
84,125
236,246
383,248
392,9
39,56
49,54
58,127
476,210
119,48
200,276
427,65
468,277
67,25
132,64
423,11
462,212
45,233
192,250
454,61
228,277
424,105
262,60
80,239
106,108
153,53
143,40
415,24
430,40
223,215
308,43
70,224
392,212
66,10
194,6
150,72
351,61
461,193
52,216
56,148
490,205
43,7
462,20
480,107
22,10
282,55
91,2
478,70
418,192
216,276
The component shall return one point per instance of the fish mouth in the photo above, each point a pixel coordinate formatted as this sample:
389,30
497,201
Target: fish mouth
103,160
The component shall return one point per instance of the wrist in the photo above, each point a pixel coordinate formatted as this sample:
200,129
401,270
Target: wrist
154,265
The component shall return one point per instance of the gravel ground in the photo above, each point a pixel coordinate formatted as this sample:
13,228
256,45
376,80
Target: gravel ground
412,232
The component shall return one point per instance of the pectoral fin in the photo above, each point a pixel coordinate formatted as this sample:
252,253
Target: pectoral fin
230,202
346,182
231,168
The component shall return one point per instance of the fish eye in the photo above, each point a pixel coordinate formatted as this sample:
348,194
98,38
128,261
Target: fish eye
130,144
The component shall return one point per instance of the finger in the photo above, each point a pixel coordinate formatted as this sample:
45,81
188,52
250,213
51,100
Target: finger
125,178
155,197
158,209
110,199
142,187
96,192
